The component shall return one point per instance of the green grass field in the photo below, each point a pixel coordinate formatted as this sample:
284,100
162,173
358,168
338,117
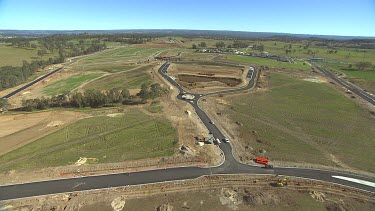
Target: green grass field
131,136
343,54
303,121
132,79
267,62
68,84
364,79
130,54
14,56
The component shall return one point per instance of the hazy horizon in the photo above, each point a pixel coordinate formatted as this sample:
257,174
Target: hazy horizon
344,18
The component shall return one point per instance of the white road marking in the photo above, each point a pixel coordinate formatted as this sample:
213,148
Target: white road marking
359,181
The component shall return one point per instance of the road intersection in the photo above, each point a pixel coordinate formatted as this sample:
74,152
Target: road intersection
229,166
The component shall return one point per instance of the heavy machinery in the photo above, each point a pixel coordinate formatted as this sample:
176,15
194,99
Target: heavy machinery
282,182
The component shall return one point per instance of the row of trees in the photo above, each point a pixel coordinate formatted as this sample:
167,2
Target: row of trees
95,98
11,76
362,66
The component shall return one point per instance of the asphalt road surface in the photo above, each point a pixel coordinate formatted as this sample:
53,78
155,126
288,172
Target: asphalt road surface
229,166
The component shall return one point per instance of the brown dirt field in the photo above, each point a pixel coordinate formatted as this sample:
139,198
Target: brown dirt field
20,129
208,78
192,79
208,70
232,192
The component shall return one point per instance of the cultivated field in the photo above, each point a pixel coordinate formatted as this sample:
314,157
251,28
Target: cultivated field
108,138
303,122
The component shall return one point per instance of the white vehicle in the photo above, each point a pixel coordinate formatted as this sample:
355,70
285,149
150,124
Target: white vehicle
218,141
226,140
212,122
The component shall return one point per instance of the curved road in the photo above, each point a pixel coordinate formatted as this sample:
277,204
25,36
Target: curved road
229,166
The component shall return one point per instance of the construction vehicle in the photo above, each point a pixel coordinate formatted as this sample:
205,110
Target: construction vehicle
262,160
282,182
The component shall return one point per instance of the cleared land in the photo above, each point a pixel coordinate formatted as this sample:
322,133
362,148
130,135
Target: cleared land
303,122
20,129
68,84
197,76
131,79
267,62
101,139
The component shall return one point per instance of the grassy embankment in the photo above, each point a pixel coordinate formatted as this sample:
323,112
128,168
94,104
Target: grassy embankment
302,121
363,78
268,62
130,136
68,84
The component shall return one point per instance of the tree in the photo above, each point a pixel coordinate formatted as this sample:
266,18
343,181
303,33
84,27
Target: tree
42,52
4,105
144,93
220,44
261,47
194,46
363,65
202,45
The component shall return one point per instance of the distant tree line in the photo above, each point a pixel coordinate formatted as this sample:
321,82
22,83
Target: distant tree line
95,98
11,76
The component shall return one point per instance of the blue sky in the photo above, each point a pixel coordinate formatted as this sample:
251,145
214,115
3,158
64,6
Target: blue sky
329,17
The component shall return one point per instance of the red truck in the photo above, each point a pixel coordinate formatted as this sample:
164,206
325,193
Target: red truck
261,160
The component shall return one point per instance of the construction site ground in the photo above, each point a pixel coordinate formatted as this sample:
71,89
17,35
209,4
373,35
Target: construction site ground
249,144
204,77
230,192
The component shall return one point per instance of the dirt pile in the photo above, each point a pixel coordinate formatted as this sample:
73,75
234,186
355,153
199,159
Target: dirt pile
318,196
165,207
230,198
187,151
118,203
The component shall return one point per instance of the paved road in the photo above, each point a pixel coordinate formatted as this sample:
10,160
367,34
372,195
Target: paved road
229,166
363,94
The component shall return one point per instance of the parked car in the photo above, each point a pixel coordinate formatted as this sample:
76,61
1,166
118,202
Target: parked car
225,140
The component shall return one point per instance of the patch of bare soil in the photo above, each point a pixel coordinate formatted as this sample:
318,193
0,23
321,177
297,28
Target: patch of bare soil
190,128
20,129
235,192
191,80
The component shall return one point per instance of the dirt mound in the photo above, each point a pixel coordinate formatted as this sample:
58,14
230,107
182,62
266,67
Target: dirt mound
191,79
261,199
118,203
165,207
187,151
230,198
318,196
55,124
82,161
115,115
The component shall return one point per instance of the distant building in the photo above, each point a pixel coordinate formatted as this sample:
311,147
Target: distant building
315,59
